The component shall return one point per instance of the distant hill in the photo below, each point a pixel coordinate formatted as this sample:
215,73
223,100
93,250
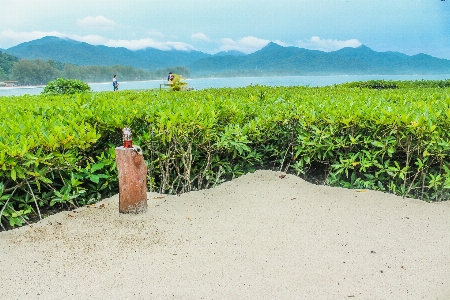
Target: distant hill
231,52
83,54
273,59
277,60
395,62
6,61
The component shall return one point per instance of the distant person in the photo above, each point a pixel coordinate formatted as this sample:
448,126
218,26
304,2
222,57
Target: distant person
115,83
170,77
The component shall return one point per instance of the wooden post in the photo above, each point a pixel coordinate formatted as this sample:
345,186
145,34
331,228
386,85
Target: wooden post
132,180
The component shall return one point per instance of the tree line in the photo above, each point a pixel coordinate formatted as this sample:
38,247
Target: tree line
40,72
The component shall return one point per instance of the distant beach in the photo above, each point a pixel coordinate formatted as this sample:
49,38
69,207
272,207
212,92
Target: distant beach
233,82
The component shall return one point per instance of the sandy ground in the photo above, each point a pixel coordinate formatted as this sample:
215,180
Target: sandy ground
256,237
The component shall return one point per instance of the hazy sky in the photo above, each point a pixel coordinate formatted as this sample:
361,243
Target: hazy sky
407,26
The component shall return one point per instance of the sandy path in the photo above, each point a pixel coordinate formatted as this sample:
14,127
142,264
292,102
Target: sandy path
256,237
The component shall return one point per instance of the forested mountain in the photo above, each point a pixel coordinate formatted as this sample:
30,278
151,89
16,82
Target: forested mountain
273,59
231,52
83,54
277,60
395,62
39,71
6,63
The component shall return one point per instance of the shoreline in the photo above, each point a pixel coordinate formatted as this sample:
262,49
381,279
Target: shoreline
262,76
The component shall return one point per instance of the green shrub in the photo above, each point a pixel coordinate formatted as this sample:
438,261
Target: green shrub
373,84
178,83
60,153
62,86
390,84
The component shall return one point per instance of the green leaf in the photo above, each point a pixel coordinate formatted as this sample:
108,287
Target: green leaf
13,174
378,144
94,178
97,166
45,180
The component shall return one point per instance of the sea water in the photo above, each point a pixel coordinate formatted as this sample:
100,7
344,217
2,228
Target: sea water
205,83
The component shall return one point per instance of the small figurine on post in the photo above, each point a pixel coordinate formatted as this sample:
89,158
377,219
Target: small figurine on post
126,137
132,175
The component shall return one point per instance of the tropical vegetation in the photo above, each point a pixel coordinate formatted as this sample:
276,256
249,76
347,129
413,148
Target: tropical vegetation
40,72
6,63
57,152
62,86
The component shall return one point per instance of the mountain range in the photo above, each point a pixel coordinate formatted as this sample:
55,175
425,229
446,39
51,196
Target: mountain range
272,59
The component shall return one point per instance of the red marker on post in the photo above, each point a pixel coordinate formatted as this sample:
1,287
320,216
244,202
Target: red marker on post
126,137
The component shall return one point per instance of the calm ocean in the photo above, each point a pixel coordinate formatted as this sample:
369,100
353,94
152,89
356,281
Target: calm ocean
205,83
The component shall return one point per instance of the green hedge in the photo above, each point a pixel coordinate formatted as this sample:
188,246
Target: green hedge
59,150
63,86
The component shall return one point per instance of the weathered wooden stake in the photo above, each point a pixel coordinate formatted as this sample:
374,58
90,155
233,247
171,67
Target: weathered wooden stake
132,180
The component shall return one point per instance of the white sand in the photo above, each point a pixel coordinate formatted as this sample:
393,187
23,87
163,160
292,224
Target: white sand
256,237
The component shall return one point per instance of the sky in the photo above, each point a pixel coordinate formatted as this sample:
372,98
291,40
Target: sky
406,26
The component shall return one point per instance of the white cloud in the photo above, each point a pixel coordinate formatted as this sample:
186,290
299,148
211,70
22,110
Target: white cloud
99,22
90,39
316,43
148,42
200,37
9,37
13,38
247,44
